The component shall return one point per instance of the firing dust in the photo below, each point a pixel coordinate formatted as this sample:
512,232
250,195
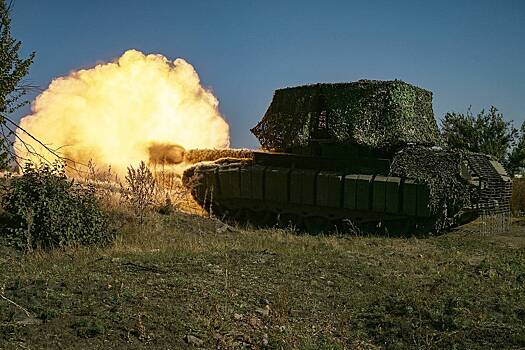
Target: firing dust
139,107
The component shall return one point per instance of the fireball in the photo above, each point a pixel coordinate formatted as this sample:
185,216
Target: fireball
137,108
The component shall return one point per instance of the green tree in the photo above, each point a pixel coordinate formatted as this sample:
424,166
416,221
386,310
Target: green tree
515,161
13,68
487,132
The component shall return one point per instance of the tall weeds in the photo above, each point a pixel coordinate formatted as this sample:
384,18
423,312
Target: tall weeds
140,190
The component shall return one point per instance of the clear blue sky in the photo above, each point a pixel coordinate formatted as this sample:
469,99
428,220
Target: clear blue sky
466,52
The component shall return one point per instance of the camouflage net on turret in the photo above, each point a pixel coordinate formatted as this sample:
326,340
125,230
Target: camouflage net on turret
440,169
377,114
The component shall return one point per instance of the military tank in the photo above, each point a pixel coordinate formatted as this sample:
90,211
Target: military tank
363,156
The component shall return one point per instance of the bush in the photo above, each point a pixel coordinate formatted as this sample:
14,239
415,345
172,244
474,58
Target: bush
44,209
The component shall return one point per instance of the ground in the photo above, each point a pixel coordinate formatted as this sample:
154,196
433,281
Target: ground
184,281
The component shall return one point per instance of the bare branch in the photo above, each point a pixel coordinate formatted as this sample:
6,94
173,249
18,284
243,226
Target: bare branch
71,163
28,88
10,6
47,148
8,149
15,304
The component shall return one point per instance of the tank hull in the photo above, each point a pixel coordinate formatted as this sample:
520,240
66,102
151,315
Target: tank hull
264,192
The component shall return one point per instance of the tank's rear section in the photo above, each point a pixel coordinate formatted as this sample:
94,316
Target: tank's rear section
360,154
493,185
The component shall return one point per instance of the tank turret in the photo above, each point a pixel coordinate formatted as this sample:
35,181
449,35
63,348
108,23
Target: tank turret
365,155
381,115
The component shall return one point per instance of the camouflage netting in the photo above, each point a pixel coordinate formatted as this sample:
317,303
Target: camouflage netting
208,155
378,114
440,169
188,174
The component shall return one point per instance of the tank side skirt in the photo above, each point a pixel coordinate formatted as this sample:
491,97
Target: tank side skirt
367,189
308,210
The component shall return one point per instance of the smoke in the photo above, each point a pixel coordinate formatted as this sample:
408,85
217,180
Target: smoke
140,107
165,154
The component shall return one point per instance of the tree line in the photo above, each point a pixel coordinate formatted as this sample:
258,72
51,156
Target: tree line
486,132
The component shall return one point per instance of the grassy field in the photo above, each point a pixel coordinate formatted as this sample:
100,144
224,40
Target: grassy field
184,281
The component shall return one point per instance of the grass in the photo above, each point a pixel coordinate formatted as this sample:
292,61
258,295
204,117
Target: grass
184,281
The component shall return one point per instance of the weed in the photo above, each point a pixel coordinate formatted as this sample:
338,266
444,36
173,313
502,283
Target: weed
88,329
140,190
243,288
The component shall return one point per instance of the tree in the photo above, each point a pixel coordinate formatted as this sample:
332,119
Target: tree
487,132
13,69
516,159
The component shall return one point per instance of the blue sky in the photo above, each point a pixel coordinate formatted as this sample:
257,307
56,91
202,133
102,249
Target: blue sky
466,52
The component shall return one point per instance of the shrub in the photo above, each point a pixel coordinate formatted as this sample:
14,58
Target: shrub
44,209
140,190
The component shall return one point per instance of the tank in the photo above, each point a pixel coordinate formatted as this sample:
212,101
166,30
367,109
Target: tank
363,156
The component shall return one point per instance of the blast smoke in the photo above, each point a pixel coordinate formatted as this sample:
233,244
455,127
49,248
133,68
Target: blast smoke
123,112
165,154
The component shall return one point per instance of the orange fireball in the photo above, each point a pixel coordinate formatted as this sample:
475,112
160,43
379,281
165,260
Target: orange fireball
114,113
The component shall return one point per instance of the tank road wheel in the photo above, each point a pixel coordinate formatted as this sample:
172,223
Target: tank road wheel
424,226
287,220
260,218
399,227
409,227
234,215
316,224
239,215
216,211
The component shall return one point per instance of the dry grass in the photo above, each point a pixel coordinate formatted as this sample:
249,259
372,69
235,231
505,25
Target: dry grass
235,287
113,191
179,275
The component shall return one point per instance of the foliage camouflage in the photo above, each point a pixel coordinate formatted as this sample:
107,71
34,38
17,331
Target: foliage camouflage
43,209
439,169
377,114
13,69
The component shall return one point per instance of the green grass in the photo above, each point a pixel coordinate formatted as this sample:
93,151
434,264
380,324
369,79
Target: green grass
240,288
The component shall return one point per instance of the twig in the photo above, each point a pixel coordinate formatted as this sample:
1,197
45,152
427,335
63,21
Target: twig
70,162
47,148
8,149
15,304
